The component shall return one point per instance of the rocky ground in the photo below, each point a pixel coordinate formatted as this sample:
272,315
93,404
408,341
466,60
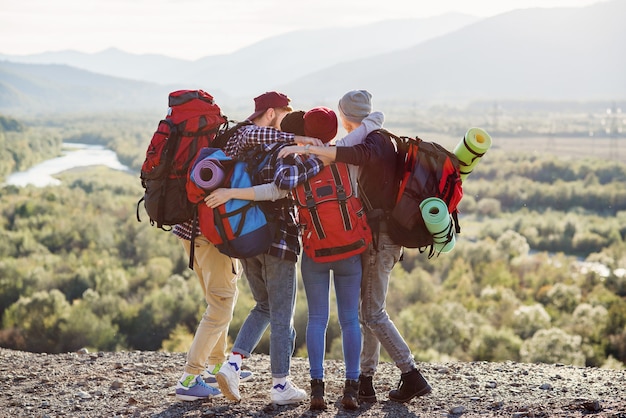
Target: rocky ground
141,384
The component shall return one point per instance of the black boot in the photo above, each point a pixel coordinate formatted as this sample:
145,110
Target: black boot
366,389
411,384
351,394
317,394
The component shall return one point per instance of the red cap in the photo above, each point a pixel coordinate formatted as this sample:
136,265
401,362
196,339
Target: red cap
269,100
321,123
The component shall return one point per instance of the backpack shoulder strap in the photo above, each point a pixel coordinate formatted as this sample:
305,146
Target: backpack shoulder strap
227,132
341,197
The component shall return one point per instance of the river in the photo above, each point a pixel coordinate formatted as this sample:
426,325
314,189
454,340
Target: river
74,155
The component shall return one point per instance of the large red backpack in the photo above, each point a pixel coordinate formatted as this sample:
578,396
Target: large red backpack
332,216
425,170
191,124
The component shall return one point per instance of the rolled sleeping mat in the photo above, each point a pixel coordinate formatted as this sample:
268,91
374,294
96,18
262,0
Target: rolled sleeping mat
470,150
439,223
208,174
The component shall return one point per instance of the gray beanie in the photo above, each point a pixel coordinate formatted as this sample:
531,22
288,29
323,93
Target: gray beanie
355,105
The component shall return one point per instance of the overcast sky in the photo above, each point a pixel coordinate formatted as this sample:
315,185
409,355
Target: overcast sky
191,29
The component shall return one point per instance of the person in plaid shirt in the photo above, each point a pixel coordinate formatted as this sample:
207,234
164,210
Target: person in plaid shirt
217,273
271,276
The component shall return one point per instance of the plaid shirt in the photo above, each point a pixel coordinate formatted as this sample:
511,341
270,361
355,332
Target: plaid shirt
184,230
286,173
249,136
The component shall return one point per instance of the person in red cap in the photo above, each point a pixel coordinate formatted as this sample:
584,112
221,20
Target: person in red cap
272,276
219,274
262,127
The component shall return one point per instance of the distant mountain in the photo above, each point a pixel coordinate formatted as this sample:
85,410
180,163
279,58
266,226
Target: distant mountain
33,89
544,54
532,54
285,58
112,62
275,60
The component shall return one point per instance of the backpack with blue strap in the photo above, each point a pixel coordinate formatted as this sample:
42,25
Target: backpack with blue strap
238,228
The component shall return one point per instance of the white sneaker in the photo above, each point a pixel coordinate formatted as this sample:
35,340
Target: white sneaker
211,380
228,380
287,395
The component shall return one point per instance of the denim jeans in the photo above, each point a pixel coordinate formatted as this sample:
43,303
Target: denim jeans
273,285
377,326
347,282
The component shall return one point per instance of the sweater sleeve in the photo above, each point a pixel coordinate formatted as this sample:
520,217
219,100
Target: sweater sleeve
269,191
372,122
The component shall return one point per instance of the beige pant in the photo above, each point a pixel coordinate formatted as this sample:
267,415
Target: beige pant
219,286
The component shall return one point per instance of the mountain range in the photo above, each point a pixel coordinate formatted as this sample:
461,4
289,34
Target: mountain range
538,54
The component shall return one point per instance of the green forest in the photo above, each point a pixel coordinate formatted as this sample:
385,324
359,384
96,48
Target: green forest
538,273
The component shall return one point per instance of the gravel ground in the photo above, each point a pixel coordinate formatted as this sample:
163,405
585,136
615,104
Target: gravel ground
141,384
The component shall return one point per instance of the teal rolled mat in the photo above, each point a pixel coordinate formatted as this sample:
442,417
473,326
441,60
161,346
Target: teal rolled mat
471,149
439,223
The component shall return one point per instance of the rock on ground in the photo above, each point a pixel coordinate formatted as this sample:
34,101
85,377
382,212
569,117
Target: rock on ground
141,384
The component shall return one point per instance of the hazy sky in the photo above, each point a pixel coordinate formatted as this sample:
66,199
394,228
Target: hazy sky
192,29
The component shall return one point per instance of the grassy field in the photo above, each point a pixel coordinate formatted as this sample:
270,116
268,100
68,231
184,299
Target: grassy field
566,147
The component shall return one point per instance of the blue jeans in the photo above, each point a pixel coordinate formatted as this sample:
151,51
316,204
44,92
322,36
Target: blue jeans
347,281
377,326
273,285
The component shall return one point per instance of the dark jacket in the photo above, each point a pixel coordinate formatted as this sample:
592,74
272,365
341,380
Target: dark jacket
377,179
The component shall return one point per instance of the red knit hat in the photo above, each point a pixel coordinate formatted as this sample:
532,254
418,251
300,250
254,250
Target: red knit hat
321,122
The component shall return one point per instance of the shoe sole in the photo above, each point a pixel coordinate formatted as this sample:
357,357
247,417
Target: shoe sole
422,392
248,376
288,402
212,380
368,399
190,398
222,381
350,405
317,404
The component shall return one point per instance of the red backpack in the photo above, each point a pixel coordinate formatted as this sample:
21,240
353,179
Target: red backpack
425,170
238,228
333,218
191,124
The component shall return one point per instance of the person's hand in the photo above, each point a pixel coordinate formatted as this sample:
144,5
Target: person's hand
292,149
307,140
217,197
325,160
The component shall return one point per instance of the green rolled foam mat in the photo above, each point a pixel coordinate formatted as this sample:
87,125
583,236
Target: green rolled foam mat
438,222
471,149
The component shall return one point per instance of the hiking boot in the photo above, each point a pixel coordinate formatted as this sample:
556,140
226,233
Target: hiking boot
366,389
193,388
287,394
228,381
317,394
211,380
411,384
351,395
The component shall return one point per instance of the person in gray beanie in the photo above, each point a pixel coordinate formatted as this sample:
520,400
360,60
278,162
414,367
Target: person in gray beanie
356,105
361,122
378,195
